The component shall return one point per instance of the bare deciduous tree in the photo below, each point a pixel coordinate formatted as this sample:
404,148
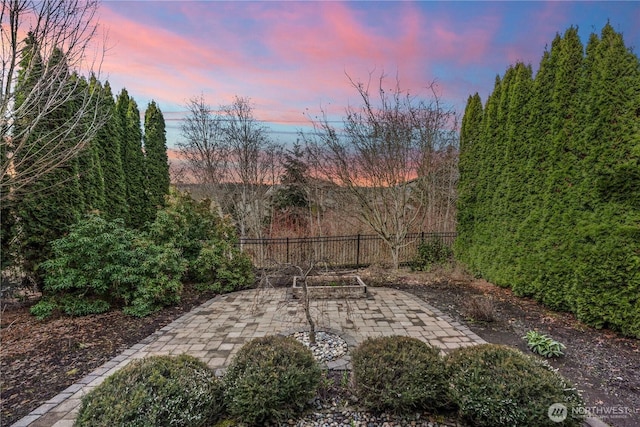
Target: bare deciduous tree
386,158
203,146
253,160
34,89
229,151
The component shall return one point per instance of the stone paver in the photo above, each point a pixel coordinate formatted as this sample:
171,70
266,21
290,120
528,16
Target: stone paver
215,331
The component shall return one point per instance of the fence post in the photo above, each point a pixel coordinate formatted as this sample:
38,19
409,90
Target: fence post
287,250
358,252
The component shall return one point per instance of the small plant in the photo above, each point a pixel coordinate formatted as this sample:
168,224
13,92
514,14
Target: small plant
431,252
495,385
270,379
479,308
159,390
399,374
543,345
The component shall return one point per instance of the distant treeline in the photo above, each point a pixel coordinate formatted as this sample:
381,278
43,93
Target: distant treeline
549,193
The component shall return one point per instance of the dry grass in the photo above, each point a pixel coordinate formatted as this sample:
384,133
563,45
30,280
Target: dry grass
479,308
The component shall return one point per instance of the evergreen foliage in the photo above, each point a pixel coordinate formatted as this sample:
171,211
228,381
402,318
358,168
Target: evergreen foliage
495,385
157,162
109,142
101,263
549,177
133,165
291,200
155,391
271,378
54,202
91,176
399,374
207,242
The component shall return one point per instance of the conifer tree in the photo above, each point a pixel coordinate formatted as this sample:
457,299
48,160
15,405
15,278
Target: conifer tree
557,206
54,202
157,162
470,145
91,177
132,160
108,140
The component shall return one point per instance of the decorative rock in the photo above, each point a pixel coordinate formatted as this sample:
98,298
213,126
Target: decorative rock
328,346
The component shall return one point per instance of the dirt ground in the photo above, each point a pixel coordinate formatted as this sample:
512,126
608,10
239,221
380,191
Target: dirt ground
40,359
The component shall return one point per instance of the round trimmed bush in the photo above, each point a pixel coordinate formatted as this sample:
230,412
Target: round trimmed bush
399,374
495,386
270,379
158,390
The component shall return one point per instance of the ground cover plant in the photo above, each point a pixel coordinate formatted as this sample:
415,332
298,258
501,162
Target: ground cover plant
543,345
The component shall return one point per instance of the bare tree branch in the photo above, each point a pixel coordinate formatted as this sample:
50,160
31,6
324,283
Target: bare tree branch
388,158
53,27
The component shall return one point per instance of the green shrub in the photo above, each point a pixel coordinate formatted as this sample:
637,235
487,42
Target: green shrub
399,374
159,390
221,267
206,240
497,386
431,252
270,378
101,262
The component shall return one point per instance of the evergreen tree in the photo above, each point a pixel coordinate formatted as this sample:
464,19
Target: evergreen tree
157,162
54,202
91,176
132,160
291,201
7,222
108,140
470,145
557,206
607,284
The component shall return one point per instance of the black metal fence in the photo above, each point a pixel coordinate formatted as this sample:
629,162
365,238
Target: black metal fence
338,251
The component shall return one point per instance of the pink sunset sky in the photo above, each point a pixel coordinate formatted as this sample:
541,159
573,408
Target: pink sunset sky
292,58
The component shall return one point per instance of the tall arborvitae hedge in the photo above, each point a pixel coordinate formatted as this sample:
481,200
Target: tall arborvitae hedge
108,141
130,133
157,162
550,181
54,202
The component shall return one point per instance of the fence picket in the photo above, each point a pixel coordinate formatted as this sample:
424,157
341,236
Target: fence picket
337,251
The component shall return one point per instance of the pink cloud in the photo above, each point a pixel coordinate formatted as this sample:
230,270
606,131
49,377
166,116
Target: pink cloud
291,56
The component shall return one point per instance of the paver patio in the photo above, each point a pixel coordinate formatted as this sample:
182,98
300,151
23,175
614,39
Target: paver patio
217,329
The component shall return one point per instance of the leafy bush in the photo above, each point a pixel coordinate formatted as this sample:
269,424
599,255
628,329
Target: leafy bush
270,378
100,263
159,390
223,268
207,242
499,386
543,345
399,374
431,252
